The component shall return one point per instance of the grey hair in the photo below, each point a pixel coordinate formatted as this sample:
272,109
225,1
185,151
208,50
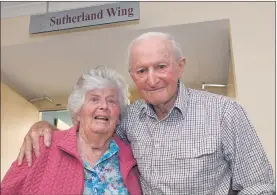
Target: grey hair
176,48
97,78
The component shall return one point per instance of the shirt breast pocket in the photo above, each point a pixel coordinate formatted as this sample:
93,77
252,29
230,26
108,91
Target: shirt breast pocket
192,164
197,149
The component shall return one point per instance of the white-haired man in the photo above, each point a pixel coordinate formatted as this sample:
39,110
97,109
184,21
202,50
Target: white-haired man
185,141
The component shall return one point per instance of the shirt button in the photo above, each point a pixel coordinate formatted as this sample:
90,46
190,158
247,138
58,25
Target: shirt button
156,145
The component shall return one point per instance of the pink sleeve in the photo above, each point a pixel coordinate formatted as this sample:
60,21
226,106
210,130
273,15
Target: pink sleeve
14,179
133,183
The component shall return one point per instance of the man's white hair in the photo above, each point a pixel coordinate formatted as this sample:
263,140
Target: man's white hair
176,48
97,78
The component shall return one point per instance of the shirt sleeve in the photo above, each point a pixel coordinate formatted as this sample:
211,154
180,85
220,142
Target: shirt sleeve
121,128
242,149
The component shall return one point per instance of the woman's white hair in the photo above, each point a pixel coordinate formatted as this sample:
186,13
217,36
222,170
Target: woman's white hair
176,48
97,78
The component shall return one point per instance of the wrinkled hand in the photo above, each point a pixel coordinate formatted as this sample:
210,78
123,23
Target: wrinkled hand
31,141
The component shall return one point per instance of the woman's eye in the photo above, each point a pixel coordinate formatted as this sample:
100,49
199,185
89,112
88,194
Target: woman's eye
112,101
94,99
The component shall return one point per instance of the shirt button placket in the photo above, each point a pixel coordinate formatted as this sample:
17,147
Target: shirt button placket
156,151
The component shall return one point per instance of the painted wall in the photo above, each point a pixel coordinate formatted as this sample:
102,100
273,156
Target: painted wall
17,116
62,115
253,47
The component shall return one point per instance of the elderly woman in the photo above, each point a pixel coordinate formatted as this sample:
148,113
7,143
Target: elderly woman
88,158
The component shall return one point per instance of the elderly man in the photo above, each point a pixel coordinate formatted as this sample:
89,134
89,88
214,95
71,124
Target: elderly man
185,141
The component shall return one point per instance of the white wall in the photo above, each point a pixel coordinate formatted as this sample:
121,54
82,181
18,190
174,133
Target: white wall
253,43
17,116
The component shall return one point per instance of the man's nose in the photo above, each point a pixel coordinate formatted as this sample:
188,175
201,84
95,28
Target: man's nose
152,79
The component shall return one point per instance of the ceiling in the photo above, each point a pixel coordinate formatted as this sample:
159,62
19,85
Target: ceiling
50,67
13,3
26,8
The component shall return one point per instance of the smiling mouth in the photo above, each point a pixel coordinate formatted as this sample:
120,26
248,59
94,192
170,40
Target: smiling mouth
155,90
102,118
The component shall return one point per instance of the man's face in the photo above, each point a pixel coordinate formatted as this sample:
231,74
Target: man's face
155,70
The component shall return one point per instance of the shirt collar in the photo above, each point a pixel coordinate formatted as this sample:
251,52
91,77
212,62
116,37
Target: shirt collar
69,143
180,103
182,99
112,150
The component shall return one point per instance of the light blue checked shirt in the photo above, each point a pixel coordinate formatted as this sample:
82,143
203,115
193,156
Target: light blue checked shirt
204,146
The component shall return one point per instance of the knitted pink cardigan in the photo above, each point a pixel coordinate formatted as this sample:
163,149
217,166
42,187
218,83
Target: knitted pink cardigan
59,169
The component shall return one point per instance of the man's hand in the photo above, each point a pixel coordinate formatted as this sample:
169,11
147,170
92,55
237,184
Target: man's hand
31,140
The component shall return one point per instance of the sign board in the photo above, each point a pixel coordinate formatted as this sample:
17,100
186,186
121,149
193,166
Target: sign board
82,17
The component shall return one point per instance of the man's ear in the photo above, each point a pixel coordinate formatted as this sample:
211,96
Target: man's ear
132,76
118,121
181,66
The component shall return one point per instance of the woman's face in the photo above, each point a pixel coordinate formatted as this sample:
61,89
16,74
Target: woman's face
100,112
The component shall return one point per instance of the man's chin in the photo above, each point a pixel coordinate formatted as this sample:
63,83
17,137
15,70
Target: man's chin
155,102
155,99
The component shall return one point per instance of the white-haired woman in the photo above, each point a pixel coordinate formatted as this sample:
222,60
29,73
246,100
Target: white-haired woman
88,158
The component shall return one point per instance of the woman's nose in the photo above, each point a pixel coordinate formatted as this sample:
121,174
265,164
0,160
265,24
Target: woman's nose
103,105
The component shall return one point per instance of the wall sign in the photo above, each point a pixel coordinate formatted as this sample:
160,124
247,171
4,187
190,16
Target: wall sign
82,17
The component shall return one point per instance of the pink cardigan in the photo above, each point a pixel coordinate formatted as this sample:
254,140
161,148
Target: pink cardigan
59,169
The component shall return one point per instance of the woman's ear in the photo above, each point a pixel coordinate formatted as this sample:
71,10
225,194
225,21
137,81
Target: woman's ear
76,122
77,119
